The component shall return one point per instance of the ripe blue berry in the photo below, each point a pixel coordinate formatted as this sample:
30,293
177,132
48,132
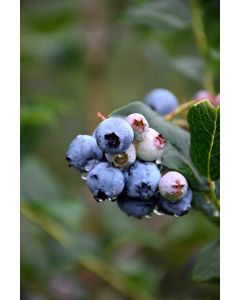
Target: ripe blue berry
81,150
139,125
91,164
114,135
142,180
105,181
123,160
136,207
178,209
151,147
162,101
173,186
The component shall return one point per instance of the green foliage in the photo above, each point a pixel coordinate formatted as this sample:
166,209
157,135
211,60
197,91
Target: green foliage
44,111
159,15
43,193
51,16
204,121
207,266
169,23
189,66
35,117
202,202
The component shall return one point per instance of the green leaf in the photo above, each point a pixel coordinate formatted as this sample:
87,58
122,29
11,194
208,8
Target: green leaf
189,66
44,112
207,267
202,203
38,182
176,155
49,16
204,122
162,15
42,192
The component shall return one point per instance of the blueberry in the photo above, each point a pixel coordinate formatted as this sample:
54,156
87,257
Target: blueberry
105,181
123,160
136,207
179,208
173,186
151,147
139,125
142,180
162,101
114,135
83,149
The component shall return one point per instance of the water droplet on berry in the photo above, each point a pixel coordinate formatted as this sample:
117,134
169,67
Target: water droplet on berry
176,216
84,175
109,199
99,200
149,216
87,168
158,161
159,213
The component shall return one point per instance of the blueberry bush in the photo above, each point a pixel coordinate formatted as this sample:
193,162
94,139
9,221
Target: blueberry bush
155,66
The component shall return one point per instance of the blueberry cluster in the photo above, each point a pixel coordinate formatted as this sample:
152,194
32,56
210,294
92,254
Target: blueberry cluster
121,162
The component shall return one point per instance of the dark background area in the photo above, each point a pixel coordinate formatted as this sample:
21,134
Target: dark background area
78,58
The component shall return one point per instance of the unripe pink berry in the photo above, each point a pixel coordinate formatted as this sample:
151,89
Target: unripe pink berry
151,147
139,125
216,101
173,186
200,95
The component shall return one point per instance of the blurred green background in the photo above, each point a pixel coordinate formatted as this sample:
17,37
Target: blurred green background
78,58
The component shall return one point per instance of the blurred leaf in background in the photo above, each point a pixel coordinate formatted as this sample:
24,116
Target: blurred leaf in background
37,117
207,266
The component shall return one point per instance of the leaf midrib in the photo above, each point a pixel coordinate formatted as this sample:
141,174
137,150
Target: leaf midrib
211,146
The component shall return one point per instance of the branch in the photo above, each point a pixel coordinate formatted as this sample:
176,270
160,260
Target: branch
183,107
202,44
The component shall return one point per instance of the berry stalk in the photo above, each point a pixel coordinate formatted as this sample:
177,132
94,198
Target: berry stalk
212,195
202,44
183,107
